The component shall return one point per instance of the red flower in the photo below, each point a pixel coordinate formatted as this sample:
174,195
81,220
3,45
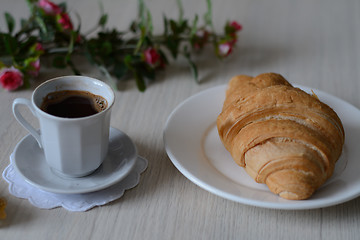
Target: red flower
152,57
34,68
49,7
200,39
236,26
224,49
202,34
232,38
11,78
64,21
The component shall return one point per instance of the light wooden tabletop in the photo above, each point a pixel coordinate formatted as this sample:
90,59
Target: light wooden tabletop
315,43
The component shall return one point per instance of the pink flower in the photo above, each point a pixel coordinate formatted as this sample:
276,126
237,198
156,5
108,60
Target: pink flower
34,68
64,21
49,7
36,49
236,26
224,49
39,47
152,57
11,78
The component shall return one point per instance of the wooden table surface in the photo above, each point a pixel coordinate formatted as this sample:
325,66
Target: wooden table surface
315,43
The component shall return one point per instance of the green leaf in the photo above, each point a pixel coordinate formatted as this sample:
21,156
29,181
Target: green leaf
31,5
181,11
10,43
172,44
103,20
133,26
140,82
23,23
128,62
41,24
147,71
141,12
193,69
49,36
10,21
73,37
106,48
174,27
166,25
26,46
163,56
148,41
144,16
208,14
194,26
149,25
139,44
183,26
208,18
192,65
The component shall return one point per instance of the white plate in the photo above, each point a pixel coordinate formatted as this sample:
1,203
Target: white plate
29,161
194,147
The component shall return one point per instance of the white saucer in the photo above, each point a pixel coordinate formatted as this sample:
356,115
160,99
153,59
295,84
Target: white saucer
29,161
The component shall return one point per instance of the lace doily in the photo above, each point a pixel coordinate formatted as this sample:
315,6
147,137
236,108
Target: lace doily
18,187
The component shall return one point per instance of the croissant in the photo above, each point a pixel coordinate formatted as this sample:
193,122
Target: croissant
281,135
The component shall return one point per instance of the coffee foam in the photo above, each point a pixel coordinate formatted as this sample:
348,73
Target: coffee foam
98,102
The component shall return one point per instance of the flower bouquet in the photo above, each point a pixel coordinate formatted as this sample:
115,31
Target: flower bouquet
135,53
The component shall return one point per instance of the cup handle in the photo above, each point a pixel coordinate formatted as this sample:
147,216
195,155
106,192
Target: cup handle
22,121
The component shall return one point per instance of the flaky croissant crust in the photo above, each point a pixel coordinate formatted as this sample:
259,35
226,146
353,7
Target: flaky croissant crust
282,136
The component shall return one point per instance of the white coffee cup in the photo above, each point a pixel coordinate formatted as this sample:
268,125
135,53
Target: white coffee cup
73,147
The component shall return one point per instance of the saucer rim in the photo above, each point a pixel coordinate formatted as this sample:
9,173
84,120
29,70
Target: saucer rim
105,183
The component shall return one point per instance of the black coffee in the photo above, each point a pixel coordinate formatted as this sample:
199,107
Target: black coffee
73,104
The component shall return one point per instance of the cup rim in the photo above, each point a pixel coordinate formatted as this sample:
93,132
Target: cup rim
45,114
